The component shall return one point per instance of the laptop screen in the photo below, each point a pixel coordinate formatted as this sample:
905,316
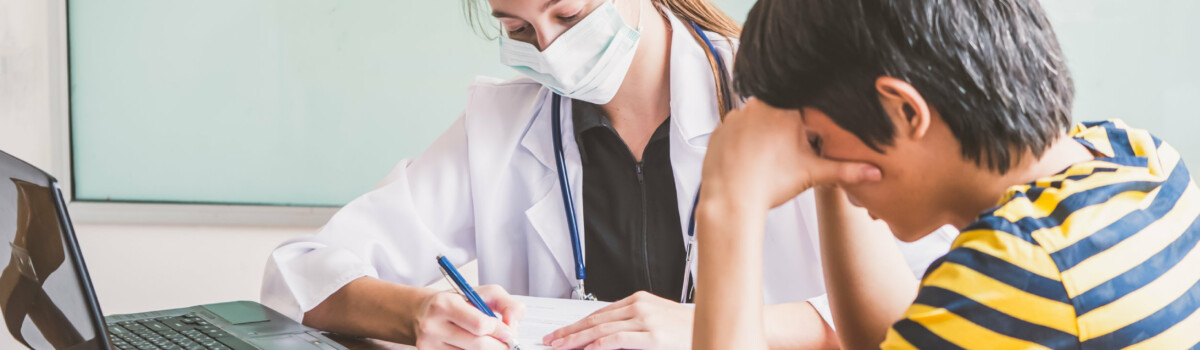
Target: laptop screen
44,302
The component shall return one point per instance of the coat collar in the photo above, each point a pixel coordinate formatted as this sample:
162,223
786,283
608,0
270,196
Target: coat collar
693,103
693,87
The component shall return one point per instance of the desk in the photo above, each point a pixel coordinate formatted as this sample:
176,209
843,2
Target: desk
355,343
543,316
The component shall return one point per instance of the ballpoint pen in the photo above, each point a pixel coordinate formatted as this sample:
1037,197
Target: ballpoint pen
460,285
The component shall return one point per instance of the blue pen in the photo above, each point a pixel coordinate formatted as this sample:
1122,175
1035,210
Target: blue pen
460,285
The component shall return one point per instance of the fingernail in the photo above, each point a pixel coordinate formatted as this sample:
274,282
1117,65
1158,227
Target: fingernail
548,338
871,173
556,343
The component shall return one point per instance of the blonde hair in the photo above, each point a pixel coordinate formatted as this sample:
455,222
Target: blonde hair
706,14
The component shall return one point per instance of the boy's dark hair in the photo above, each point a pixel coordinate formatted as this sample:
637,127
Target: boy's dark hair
992,68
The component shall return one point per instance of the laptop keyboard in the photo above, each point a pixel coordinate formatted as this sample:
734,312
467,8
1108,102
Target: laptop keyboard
185,332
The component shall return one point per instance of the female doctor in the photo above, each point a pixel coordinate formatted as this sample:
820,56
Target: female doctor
577,179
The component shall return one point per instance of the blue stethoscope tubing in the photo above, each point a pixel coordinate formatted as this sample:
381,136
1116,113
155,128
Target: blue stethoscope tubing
569,202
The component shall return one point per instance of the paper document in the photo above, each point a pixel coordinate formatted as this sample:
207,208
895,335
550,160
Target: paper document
545,315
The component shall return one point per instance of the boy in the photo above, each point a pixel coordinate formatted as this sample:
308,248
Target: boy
931,112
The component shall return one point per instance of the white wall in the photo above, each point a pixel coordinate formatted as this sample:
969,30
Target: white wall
24,81
134,267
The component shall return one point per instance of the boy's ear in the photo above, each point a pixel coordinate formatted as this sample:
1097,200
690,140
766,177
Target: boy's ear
905,105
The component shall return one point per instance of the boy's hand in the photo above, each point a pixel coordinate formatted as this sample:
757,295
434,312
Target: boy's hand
757,160
761,157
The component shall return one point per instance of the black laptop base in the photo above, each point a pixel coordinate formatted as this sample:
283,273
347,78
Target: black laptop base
238,325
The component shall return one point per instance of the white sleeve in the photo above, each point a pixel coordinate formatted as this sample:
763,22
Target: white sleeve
921,253
821,304
423,208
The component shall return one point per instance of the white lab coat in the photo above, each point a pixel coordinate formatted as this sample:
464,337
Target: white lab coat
487,189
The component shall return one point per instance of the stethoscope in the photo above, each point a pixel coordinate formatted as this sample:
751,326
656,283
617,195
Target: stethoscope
569,203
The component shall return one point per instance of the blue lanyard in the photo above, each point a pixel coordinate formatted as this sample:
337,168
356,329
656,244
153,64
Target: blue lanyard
569,202
721,78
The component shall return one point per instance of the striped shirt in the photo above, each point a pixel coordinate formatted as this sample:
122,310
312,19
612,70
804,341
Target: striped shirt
1102,255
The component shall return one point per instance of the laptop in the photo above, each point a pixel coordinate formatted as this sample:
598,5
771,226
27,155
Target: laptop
47,300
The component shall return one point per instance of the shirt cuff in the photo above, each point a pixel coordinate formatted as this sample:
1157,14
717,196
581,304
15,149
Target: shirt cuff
314,274
821,304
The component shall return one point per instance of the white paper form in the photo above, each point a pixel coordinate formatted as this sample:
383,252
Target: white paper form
545,315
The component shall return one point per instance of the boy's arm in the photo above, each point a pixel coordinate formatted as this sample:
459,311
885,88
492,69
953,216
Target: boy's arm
797,326
730,285
868,283
729,311
758,159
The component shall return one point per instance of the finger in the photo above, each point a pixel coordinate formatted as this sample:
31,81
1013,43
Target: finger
510,310
640,296
595,319
436,345
464,315
825,171
623,340
587,336
461,338
629,300
433,335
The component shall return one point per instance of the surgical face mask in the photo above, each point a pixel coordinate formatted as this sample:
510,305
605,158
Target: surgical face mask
588,62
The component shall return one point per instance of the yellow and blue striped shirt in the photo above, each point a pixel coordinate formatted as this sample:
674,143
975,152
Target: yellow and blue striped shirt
1102,255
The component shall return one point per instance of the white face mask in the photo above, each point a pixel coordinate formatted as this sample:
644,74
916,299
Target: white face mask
588,62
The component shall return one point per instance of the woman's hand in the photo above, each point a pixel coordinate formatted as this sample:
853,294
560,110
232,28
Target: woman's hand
640,321
447,321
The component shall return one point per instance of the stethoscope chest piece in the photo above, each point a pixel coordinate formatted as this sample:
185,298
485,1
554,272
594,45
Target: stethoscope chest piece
581,294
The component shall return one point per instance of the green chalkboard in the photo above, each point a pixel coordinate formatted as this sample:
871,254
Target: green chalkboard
312,102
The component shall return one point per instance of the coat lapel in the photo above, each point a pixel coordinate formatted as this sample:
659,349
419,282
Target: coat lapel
547,215
694,114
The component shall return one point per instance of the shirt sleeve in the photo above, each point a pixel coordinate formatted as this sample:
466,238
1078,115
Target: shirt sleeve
995,290
392,233
821,304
